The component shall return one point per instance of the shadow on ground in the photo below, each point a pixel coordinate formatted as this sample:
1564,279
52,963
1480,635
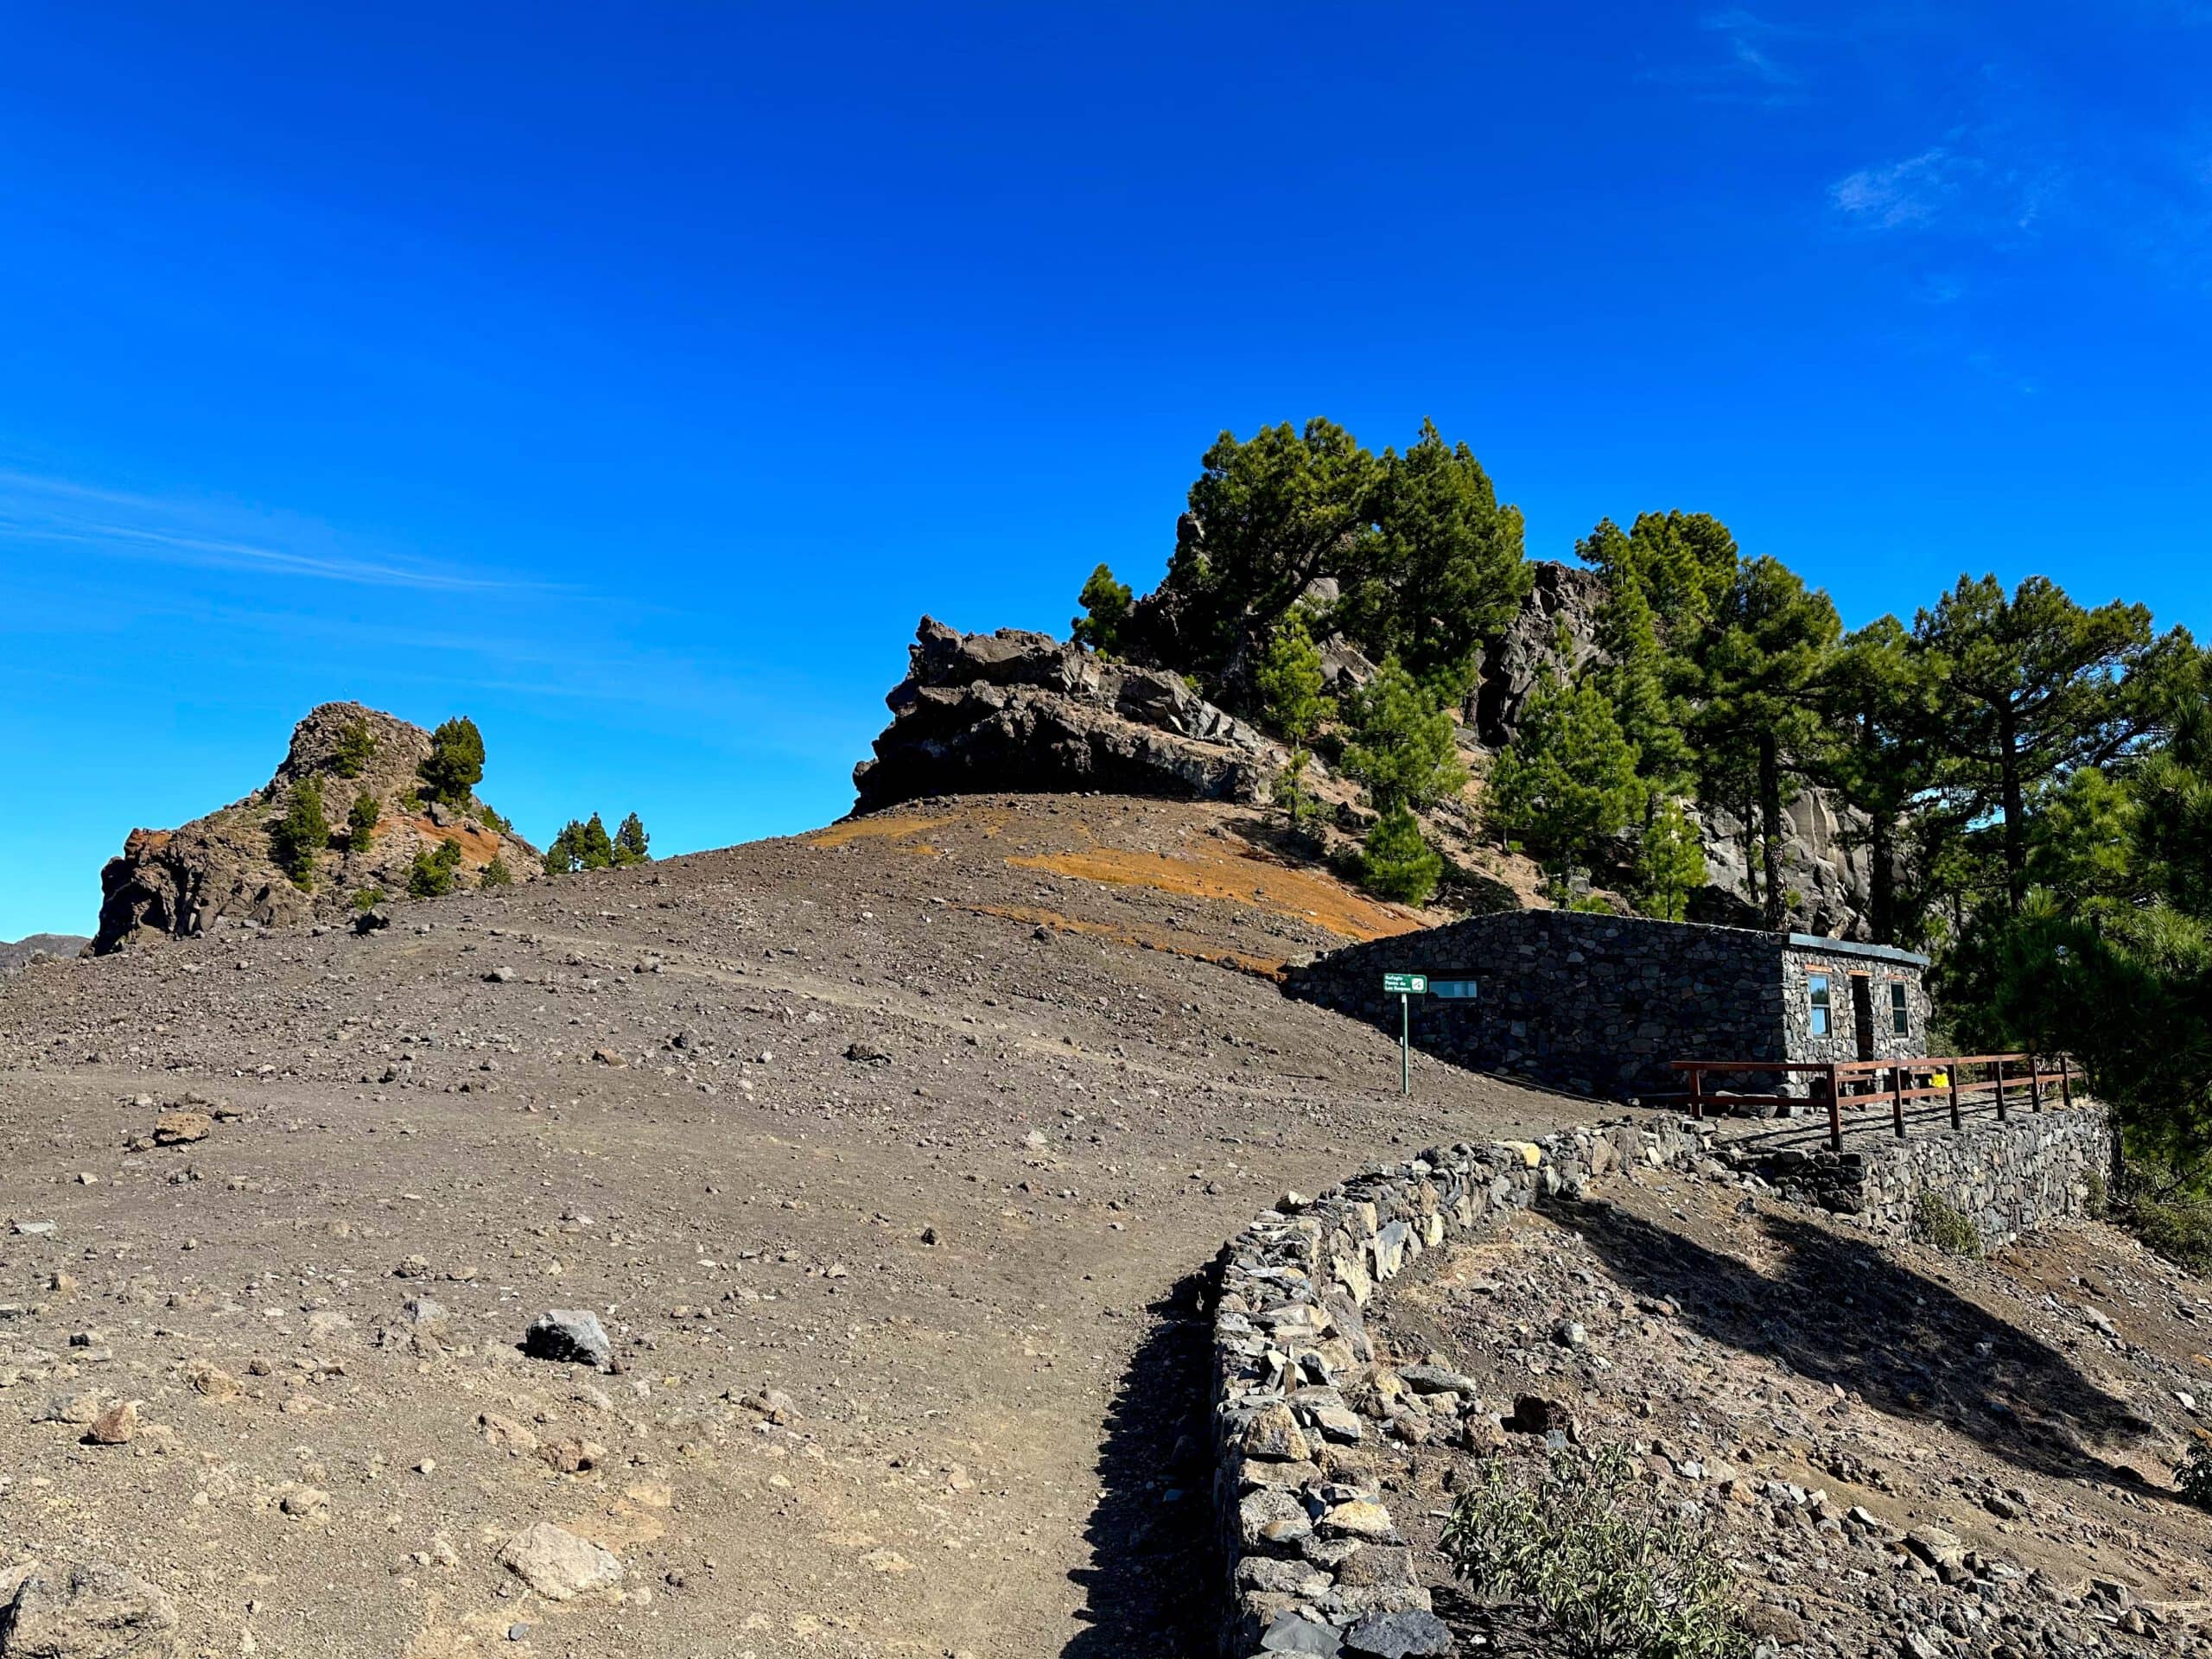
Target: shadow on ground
1152,1591
1842,1312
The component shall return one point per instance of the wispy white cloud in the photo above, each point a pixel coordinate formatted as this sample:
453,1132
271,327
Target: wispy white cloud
1915,191
217,536
1753,71
1751,44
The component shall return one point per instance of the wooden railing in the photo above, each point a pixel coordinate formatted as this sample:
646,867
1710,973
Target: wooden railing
1893,1081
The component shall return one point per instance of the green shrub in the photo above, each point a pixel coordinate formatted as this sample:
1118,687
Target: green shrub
409,801
356,744
431,876
496,874
1395,862
2193,1480
2179,1229
301,833
1937,1221
493,820
455,764
361,820
1289,681
1106,605
1290,791
1401,743
2100,1195
368,898
1615,1574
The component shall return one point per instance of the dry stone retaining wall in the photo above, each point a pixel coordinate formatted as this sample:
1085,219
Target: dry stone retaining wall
2007,1178
1315,1564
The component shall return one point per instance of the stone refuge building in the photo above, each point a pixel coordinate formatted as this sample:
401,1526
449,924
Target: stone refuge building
1600,1004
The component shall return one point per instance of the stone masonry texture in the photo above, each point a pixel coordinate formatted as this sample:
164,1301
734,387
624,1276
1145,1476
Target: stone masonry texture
1600,1004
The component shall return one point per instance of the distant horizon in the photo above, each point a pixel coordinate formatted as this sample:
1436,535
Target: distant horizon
633,386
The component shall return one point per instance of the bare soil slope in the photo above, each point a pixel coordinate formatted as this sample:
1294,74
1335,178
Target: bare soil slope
885,1155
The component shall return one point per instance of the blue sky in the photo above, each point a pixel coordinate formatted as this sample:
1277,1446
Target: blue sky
632,379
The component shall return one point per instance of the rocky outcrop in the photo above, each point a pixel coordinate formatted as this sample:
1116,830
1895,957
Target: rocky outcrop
175,883
989,712
1561,608
1826,873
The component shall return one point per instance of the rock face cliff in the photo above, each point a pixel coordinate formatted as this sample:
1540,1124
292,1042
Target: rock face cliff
1018,711
223,867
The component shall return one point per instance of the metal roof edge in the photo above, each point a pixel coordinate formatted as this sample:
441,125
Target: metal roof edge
1853,948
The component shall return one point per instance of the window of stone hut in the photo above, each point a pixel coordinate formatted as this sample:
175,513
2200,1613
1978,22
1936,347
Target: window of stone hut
1900,1011
1816,994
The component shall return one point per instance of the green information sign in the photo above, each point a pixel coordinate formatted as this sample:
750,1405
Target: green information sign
1405,987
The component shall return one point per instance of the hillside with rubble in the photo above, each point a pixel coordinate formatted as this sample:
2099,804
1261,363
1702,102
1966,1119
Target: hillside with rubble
808,1246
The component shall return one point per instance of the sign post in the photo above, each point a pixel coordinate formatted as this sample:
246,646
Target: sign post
1408,986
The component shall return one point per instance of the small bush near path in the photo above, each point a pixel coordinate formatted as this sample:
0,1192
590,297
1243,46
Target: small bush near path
1937,1221
1615,1573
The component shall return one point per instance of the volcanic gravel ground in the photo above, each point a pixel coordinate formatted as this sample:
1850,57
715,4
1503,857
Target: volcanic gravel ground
889,1165
1903,1452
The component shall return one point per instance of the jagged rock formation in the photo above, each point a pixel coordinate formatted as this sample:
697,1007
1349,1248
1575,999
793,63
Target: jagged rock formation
19,954
180,882
1827,875
1564,597
1015,710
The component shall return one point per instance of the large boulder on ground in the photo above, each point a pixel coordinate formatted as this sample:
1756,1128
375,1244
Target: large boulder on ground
181,883
1014,710
88,1611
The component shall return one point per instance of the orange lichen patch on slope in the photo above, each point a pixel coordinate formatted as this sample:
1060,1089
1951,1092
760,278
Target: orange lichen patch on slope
1236,878
890,825
479,846
146,841
1179,944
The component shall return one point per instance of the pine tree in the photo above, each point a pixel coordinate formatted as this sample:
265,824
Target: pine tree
1446,571
1395,862
1753,675
301,833
1682,564
356,745
2032,687
361,821
496,874
595,846
455,764
1289,680
629,842
1635,674
1402,745
1566,784
564,854
1669,863
1878,700
1267,517
1105,607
